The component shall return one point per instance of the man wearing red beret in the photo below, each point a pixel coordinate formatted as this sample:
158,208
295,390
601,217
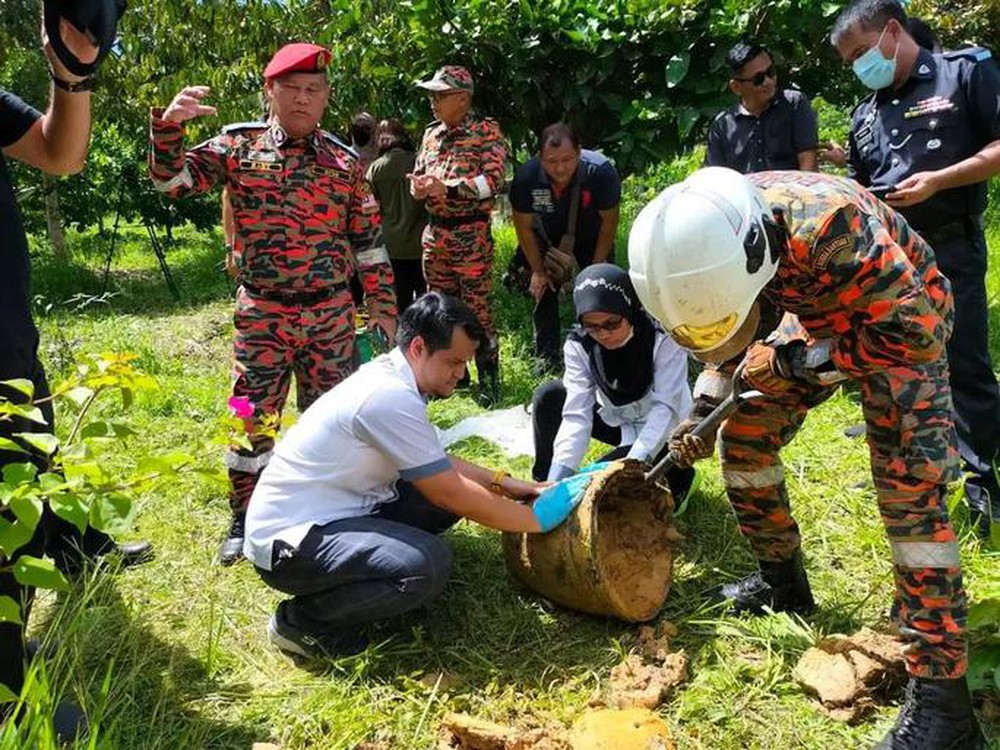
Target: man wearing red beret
303,218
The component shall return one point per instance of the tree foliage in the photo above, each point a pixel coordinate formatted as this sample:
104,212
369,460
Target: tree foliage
640,79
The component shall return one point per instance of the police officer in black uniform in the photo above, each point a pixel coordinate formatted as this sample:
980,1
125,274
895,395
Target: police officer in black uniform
926,142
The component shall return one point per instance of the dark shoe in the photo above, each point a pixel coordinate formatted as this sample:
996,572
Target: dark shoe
778,586
134,553
295,642
69,722
855,430
984,511
231,550
489,385
937,715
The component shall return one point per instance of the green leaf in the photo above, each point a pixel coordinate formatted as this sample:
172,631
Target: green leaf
686,120
27,508
29,412
72,508
32,571
6,695
13,536
15,474
40,441
677,68
21,385
10,611
79,395
95,430
111,512
6,444
984,661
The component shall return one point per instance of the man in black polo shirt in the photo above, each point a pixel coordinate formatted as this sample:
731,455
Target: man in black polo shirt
770,127
541,196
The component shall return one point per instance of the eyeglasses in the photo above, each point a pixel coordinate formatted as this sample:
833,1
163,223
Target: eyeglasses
757,79
608,326
436,96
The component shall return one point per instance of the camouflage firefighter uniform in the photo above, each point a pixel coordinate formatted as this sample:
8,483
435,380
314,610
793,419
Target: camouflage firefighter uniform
863,283
458,245
303,215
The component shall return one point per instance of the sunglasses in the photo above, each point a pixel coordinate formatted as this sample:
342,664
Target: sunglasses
757,79
613,324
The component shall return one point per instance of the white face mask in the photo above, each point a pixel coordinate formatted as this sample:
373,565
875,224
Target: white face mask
631,334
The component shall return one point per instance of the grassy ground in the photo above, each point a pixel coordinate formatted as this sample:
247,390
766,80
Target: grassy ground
173,654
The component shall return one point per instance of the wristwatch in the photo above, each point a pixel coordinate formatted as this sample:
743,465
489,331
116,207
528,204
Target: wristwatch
87,84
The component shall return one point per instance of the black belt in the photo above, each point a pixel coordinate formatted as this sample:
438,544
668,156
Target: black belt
454,222
302,298
967,226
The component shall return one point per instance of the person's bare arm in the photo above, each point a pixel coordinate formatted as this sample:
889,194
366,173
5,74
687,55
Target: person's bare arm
457,492
807,160
57,143
919,187
533,253
606,236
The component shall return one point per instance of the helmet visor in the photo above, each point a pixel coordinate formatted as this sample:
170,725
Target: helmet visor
697,338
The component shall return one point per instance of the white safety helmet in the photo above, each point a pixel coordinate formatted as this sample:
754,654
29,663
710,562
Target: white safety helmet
699,255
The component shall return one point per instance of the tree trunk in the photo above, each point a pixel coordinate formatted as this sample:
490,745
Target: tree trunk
53,219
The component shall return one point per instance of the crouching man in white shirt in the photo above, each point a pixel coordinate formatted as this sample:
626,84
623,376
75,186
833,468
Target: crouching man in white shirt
346,516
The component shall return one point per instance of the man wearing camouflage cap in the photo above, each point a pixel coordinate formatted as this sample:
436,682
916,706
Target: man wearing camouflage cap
303,216
458,171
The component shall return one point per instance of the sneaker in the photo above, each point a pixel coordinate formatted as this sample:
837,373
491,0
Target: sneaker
231,549
292,641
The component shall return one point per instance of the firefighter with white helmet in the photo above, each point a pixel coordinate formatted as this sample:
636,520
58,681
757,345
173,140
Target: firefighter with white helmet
711,255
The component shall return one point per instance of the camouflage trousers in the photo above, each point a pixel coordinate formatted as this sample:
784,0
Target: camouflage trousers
911,441
274,340
459,262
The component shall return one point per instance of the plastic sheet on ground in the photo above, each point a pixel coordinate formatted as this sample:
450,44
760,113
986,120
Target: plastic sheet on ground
509,429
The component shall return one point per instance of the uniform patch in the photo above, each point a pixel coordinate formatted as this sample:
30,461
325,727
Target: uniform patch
828,249
259,166
541,201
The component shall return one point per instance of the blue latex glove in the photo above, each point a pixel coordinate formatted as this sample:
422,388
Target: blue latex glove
596,466
555,504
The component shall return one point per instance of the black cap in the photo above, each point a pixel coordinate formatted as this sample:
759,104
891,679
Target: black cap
98,18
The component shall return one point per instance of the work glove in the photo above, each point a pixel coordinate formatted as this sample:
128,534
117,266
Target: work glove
560,266
690,448
555,504
771,368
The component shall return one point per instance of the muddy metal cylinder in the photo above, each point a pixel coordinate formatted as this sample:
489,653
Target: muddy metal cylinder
613,556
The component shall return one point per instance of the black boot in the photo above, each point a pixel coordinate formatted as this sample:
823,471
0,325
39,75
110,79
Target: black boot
937,715
231,549
780,586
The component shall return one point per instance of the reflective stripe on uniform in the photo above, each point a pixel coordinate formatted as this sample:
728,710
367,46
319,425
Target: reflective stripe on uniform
925,554
247,464
373,256
181,179
768,477
713,384
482,187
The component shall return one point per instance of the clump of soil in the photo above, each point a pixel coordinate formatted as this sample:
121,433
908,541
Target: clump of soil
464,732
613,729
654,643
637,684
849,675
635,540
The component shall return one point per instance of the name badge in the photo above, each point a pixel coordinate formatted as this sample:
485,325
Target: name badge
259,166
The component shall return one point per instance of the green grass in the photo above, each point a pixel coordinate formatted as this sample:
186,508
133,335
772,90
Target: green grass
173,654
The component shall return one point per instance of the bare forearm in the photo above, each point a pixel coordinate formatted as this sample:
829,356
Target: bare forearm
464,492
528,242
605,240
66,130
807,161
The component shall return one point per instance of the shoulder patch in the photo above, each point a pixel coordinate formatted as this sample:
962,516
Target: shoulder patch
975,54
826,250
241,127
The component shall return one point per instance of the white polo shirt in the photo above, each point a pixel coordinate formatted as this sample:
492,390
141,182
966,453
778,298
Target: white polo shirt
343,457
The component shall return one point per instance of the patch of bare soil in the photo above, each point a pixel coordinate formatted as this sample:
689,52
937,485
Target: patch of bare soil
849,675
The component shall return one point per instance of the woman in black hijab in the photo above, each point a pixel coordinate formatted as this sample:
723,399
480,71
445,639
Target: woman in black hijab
625,383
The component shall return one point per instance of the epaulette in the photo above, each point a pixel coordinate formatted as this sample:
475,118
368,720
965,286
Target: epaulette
328,136
237,127
975,54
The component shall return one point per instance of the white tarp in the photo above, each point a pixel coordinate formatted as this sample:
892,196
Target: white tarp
509,429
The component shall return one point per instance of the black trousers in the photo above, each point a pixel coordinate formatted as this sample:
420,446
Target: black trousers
961,256
546,416
409,281
59,538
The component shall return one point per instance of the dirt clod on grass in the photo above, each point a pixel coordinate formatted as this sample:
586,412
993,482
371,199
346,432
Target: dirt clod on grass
637,684
464,732
654,642
849,675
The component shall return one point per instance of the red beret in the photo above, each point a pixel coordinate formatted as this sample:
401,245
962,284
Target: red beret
298,58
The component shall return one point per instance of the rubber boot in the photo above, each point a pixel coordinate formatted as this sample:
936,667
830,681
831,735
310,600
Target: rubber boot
937,715
779,586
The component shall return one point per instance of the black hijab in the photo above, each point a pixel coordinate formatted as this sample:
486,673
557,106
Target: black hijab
624,374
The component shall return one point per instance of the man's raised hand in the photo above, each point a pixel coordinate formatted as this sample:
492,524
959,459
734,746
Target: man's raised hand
187,105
